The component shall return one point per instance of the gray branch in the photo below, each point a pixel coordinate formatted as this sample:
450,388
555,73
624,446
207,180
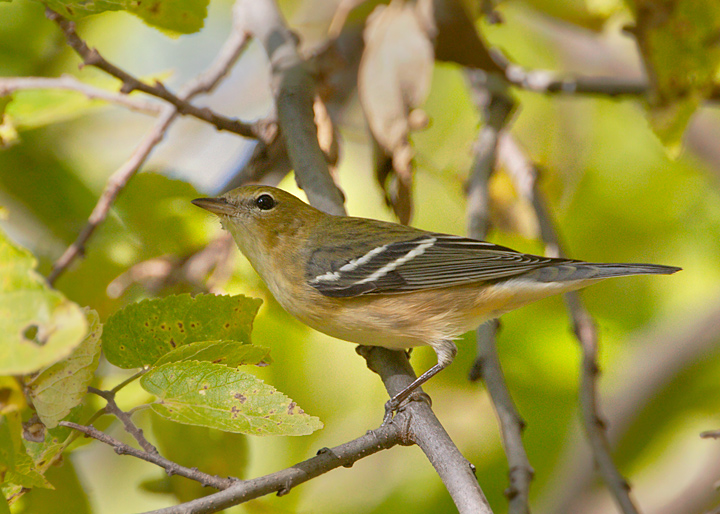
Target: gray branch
203,83
294,90
425,430
525,175
281,482
494,102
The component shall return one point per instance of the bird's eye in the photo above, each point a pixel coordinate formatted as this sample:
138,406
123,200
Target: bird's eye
265,202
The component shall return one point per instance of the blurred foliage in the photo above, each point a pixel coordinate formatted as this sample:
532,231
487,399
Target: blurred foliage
615,192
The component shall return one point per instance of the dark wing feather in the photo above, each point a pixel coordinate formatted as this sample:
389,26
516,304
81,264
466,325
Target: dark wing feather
426,262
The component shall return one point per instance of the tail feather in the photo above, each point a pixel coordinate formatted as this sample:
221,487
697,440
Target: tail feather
597,271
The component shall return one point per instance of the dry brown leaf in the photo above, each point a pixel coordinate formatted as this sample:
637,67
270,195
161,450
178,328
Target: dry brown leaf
393,81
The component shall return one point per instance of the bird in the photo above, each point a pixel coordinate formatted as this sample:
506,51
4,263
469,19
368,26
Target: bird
379,283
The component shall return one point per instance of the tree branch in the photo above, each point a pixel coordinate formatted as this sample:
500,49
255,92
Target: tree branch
665,351
493,100
294,90
130,427
203,83
91,57
426,431
9,85
169,466
283,481
584,328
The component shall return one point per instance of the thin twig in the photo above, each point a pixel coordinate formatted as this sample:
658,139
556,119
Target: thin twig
172,468
425,430
283,481
203,83
91,57
584,328
10,85
710,434
130,427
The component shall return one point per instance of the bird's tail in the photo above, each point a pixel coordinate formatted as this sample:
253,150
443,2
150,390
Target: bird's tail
597,271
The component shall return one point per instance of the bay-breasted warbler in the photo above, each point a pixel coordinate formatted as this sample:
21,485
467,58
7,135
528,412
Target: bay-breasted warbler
384,284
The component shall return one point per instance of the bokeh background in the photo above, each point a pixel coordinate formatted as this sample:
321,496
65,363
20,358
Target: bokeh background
615,191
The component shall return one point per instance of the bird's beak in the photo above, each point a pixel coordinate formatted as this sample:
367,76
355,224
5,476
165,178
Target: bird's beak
218,206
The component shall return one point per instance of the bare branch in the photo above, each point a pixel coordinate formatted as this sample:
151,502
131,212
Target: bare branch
492,99
426,431
294,90
91,57
130,427
282,482
665,351
170,467
9,85
585,331
203,83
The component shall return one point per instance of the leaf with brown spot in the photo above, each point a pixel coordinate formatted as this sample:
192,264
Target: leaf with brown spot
130,338
216,396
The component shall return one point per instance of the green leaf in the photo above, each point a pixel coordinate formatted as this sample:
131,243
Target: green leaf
36,108
229,353
38,325
16,467
56,390
143,332
677,43
177,16
215,396
54,443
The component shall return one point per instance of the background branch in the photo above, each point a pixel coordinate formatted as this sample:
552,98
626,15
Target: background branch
91,57
584,327
493,100
294,90
203,83
9,85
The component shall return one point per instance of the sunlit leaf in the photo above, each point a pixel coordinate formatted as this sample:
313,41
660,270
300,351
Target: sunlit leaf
229,353
141,333
16,466
38,325
216,396
36,108
678,43
180,16
62,386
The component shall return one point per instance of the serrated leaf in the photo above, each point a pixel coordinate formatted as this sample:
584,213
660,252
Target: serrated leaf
142,333
215,396
16,467
178,16
56,390
229,353
38,325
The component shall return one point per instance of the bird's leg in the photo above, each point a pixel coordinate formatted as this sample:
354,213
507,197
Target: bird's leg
445,351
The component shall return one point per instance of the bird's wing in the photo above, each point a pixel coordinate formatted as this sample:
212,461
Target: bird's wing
426,262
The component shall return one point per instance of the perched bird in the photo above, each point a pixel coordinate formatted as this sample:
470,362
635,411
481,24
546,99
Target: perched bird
382,284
